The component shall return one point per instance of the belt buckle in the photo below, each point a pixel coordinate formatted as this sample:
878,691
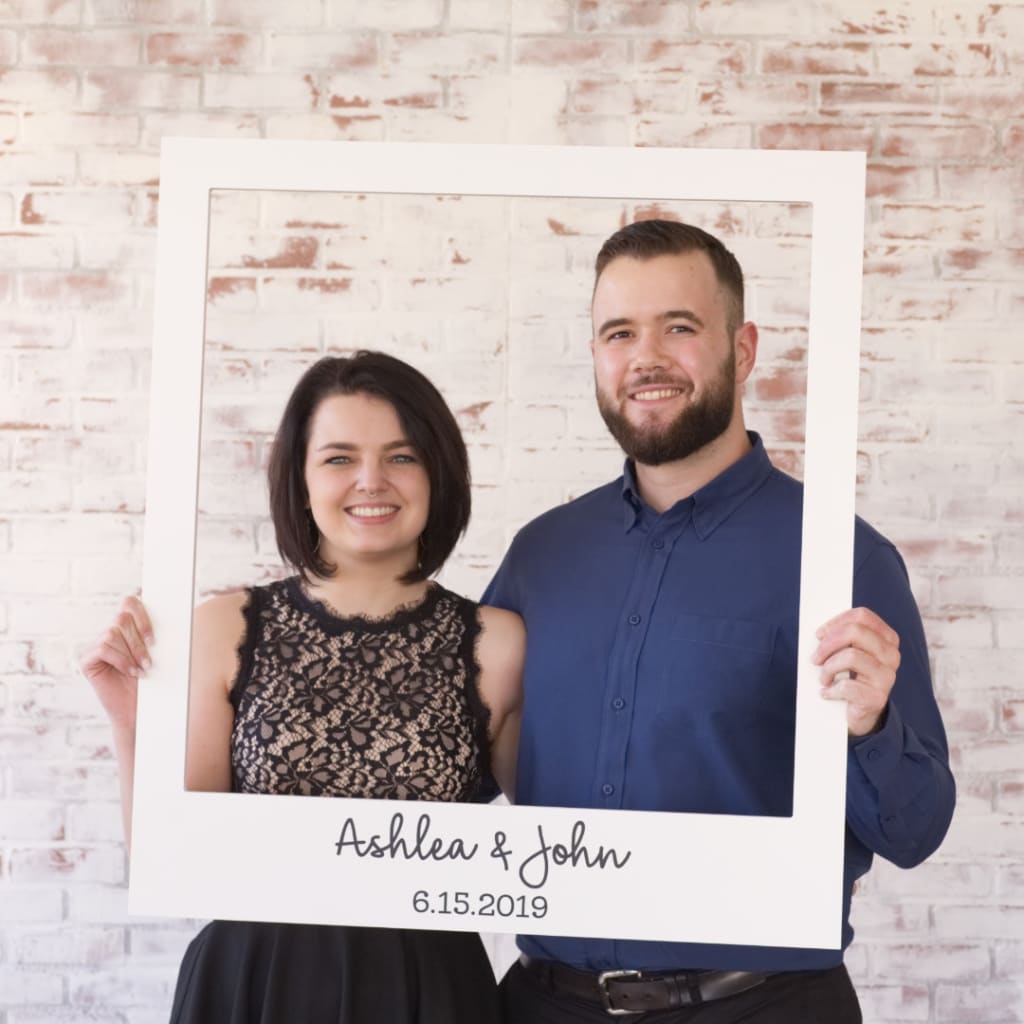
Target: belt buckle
602,986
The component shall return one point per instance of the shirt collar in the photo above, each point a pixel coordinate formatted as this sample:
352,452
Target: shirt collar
715,501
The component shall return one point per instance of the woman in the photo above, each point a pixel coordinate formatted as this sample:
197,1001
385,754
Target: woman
357,676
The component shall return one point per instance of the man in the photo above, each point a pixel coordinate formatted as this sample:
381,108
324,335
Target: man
661,612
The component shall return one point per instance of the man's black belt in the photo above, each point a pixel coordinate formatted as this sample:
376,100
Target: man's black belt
628,992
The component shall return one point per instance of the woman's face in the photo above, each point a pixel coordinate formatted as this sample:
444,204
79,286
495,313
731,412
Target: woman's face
368,491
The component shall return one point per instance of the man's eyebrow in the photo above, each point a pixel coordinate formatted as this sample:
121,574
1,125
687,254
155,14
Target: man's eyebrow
347,446
669,314
682,314
611,324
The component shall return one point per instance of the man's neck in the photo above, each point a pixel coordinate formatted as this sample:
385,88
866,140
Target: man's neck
662,486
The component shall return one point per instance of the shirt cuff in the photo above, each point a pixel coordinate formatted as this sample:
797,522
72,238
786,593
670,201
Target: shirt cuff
878,753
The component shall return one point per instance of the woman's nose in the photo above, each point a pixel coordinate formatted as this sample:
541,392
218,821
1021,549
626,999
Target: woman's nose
371,479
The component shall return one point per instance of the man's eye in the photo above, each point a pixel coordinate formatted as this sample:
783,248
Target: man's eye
617,336
681,328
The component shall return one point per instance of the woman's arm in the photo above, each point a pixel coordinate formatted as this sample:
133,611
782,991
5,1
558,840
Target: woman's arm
218,628
501,652
120,656
113,665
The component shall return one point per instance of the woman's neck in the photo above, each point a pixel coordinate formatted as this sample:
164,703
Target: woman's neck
365,591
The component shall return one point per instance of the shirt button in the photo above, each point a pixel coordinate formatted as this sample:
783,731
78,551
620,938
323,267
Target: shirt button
873,755
634,620
657,545
607,789
618,703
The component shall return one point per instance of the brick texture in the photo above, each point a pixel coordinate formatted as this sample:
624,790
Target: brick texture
931,92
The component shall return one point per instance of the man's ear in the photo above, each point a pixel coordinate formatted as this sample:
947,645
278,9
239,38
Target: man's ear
745,345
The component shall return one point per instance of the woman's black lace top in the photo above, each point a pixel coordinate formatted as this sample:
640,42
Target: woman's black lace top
332,706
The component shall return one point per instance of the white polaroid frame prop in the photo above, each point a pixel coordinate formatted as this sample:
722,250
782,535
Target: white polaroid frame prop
732,879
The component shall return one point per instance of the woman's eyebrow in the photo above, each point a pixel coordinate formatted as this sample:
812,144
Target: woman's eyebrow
348,446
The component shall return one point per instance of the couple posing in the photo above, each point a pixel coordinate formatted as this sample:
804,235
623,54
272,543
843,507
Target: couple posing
635,650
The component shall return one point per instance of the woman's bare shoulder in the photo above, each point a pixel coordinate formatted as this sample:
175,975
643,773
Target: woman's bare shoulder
501,621
502,642
222,607
218,625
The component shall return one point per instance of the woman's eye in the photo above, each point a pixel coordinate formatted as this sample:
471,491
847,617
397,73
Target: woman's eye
338,460
404,459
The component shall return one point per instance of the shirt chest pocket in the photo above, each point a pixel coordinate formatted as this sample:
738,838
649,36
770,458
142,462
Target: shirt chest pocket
715,664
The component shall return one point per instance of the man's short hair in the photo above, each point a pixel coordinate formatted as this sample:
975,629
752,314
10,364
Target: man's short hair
645,239
429,426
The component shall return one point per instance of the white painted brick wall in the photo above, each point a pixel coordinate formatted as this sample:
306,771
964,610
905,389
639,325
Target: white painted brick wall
88,87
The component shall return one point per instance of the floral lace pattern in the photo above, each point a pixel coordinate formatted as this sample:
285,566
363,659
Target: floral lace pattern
332,706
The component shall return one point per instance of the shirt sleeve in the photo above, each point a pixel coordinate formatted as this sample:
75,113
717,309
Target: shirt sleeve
900,791
503,591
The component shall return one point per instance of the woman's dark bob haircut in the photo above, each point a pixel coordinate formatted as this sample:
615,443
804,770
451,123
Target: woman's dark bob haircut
429,427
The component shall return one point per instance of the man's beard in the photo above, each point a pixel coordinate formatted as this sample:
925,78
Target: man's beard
701,422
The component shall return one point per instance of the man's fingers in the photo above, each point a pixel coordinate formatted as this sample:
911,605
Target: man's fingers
859,655
864,618
851,636
854,663
847,662
856,689
874,646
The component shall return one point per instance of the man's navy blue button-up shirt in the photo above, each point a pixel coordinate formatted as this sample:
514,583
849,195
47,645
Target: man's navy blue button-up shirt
661,675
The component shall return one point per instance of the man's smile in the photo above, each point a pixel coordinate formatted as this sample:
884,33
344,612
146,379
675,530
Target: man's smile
655,394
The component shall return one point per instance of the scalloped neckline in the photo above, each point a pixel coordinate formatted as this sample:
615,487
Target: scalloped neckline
327,614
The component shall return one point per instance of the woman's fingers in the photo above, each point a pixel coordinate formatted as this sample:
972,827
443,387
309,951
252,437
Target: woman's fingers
130,635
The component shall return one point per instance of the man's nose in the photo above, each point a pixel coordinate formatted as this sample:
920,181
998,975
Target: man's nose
648,352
